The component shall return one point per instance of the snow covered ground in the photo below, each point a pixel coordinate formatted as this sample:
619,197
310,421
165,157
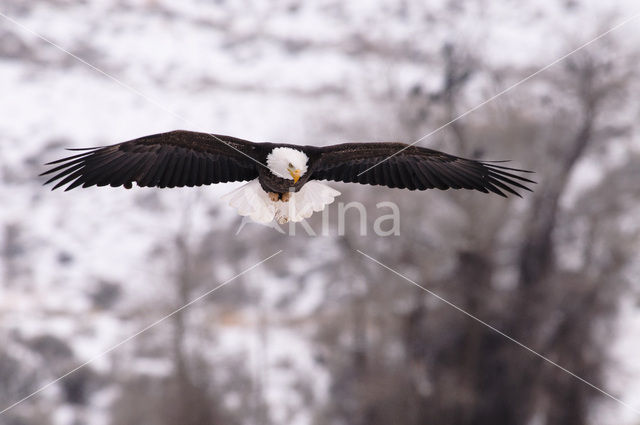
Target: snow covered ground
261,70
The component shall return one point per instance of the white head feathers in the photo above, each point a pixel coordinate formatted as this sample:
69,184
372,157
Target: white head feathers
284,161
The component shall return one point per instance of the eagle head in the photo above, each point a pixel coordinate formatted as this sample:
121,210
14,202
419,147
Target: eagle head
287,163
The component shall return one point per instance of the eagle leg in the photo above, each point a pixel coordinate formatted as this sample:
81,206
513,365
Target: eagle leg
286,196
274,196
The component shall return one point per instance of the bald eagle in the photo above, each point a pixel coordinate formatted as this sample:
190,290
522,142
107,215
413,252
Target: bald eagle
283,178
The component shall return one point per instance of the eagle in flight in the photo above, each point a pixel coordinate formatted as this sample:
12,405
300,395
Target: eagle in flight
283,178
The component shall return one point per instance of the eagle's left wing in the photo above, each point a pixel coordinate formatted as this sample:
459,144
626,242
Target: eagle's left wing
402,166
174,159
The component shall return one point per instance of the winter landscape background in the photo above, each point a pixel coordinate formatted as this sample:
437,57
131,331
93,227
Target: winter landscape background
320,334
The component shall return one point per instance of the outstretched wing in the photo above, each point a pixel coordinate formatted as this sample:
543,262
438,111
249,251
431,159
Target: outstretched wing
413,168
177,158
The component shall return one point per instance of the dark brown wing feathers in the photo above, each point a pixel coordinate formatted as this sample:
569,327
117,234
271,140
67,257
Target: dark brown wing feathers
413,168
177,158
185,158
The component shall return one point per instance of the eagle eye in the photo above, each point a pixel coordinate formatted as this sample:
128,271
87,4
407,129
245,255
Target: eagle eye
290,165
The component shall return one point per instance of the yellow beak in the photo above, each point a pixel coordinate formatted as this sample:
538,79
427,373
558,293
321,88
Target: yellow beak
295,174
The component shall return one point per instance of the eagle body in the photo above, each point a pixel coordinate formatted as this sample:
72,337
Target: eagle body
276,176
283,178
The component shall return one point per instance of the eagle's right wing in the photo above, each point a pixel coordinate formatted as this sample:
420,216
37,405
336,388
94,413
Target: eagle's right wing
411,167
177,158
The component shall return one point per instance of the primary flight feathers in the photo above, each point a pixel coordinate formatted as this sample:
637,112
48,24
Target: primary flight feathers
185,158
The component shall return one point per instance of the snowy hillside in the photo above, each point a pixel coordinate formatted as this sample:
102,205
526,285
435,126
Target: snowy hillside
83,270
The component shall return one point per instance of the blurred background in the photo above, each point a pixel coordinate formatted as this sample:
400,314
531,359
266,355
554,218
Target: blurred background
320,334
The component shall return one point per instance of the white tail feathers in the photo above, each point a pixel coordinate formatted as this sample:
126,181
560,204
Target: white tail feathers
311,198
251,200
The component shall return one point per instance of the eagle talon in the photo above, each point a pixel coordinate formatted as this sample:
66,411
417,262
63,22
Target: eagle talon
275,197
